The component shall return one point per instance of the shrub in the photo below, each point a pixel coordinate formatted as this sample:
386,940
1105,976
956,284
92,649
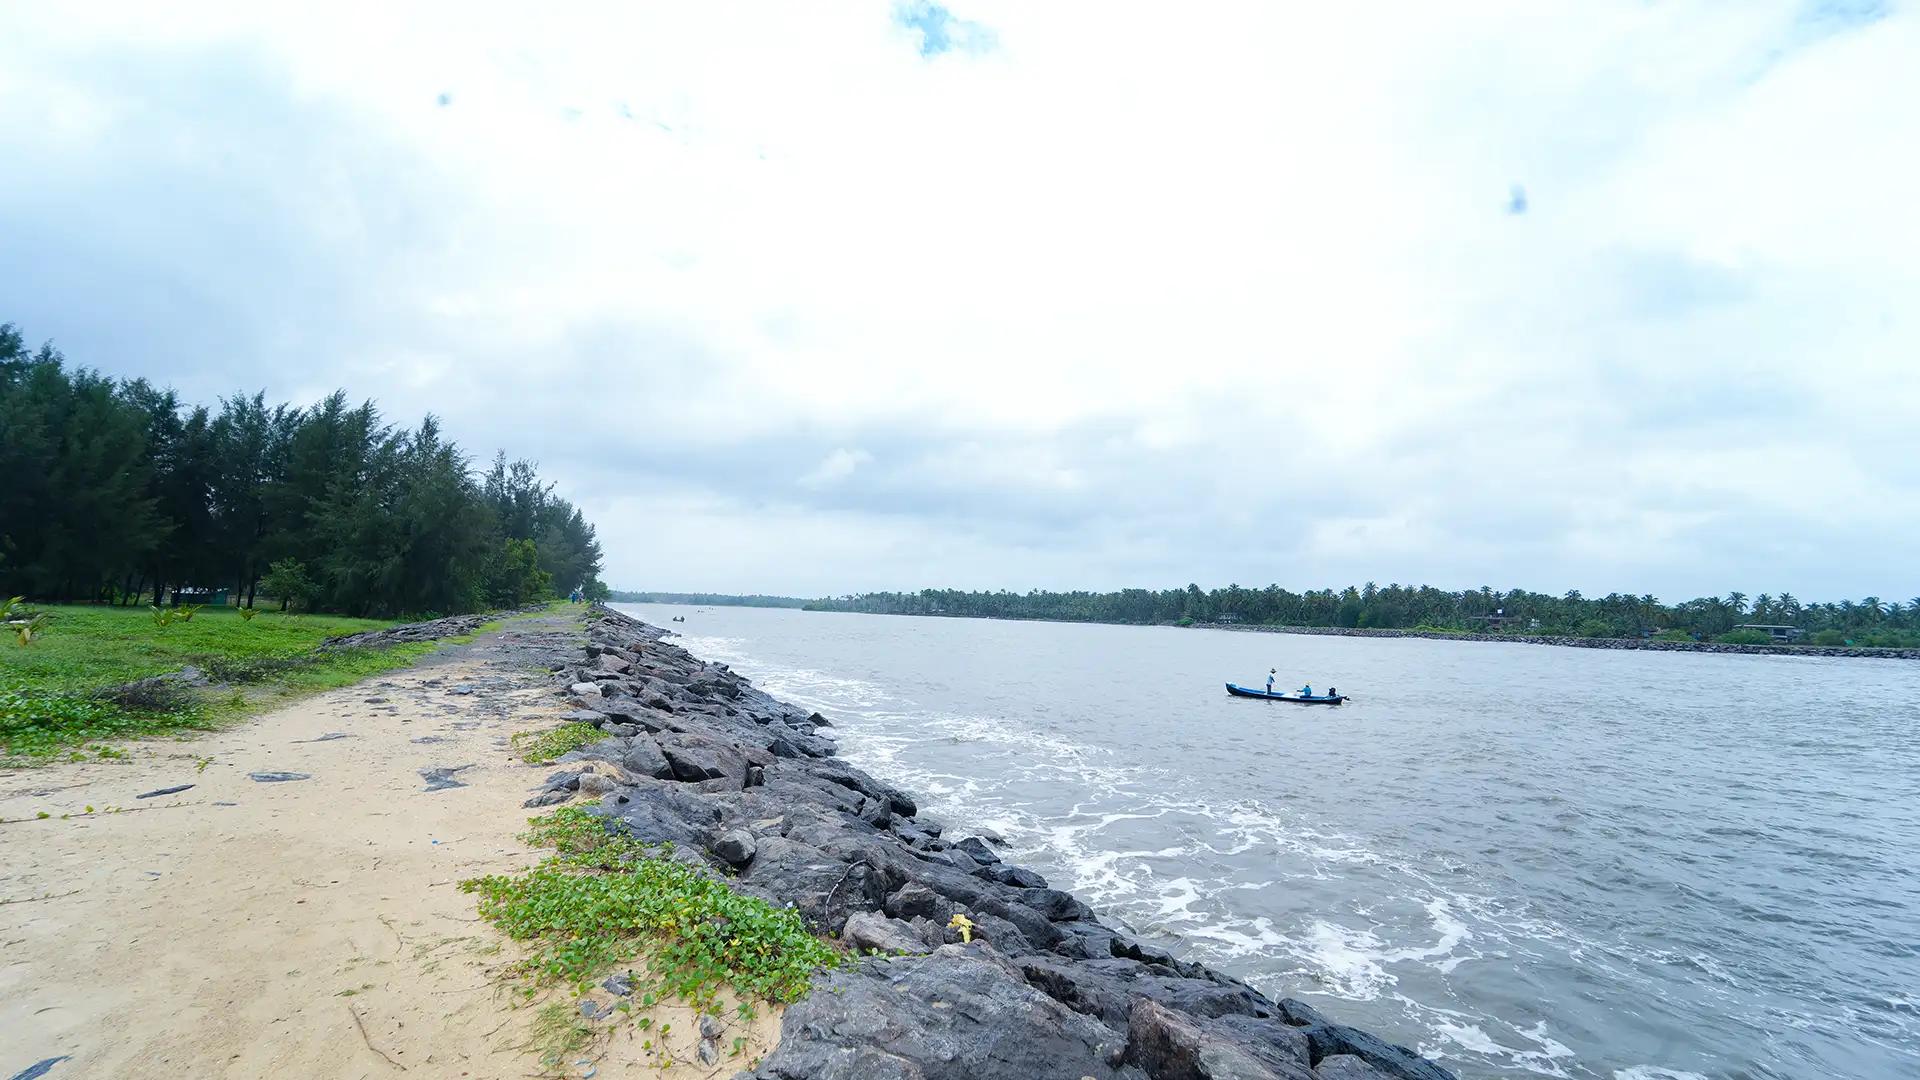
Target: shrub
1745,637
604,899
1594,628
1673,635
1829,637
545,746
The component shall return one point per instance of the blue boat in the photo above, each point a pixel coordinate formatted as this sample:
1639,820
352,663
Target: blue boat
1297,699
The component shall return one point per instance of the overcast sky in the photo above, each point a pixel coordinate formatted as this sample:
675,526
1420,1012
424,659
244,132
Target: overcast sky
815,298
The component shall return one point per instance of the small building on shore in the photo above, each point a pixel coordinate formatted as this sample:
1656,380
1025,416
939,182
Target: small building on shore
1778,633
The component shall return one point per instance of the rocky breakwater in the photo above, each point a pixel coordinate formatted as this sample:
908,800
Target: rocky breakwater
1026,983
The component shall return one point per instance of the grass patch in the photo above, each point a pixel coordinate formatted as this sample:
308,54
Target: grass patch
544,747
52,698
602,900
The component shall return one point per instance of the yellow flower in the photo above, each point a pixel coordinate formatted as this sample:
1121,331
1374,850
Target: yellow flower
963,924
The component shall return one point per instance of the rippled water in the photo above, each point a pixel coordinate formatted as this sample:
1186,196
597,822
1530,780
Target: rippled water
1522,860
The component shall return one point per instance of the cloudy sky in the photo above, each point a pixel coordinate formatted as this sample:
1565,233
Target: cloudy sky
826,297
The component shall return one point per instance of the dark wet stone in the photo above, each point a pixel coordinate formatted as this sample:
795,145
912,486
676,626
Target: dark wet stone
441,777
277,777
175,790
736,846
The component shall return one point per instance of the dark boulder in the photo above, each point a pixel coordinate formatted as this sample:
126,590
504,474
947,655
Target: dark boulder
643,758
1171,1045
736,846
1329,1039
954,1014
695,758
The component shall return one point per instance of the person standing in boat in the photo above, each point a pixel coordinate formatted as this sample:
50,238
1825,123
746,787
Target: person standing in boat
1271,672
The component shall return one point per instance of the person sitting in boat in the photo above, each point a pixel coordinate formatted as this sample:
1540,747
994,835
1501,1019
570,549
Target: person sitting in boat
1307,690
1333,691
1271,672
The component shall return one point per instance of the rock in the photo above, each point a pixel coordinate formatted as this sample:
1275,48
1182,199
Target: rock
277,777
868,930
586,716
695,758
710,1027
595,784
175,790
610,662
643,758
659,813
594,1010
708,1052
548,798
736,846
623,731
620,985
1017,876
462,690
1329,1039
1346,1067
951,1015
440,778
1171,1045
916,900
584,690
978,849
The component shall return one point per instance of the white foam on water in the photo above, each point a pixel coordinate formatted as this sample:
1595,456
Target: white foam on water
1345,961
1654,1072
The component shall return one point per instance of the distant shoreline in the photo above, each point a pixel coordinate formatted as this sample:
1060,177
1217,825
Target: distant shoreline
1585,642
1569,641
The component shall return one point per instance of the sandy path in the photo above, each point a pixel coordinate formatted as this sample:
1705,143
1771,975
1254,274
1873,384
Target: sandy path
310,928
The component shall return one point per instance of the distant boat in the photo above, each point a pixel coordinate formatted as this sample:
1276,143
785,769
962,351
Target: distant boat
1317,699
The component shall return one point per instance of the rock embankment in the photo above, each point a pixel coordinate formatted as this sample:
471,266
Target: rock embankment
1639,644
696,755
432,630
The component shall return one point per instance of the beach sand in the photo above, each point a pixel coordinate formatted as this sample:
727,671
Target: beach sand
305,928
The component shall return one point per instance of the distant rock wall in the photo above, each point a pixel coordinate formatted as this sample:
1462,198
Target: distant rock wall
696,755
1589,643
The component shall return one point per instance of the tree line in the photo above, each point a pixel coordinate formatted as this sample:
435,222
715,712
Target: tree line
115,490
1868,621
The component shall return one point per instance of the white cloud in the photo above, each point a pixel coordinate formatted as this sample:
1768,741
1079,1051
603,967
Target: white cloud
1107,302
835,467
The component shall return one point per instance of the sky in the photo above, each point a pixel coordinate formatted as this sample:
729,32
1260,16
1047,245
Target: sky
823,298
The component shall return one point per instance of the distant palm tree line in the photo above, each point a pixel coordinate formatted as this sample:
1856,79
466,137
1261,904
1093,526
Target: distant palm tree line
1410,607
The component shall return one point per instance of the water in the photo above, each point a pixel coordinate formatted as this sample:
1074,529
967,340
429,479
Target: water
1522,860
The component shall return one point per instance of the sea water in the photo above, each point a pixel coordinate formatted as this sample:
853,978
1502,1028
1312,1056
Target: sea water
1521,860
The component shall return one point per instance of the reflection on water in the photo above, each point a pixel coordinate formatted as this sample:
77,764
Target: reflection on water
1522,860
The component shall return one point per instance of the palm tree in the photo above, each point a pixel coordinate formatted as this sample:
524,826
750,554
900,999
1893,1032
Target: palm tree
1738,602
1763,607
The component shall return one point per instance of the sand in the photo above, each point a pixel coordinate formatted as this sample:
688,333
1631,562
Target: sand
310,928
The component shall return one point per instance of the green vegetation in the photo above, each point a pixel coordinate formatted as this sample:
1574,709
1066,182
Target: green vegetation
1672,635
545,746
603,900
1745,637
54,693
114,490
1871,621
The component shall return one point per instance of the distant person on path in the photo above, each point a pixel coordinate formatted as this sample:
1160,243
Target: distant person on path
1271,672
574,596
